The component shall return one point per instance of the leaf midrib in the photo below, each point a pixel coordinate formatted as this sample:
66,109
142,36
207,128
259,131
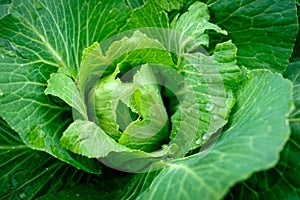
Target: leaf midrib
14,147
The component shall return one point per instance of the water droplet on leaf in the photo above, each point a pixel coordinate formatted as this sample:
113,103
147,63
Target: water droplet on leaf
205,136
198,141
216,117
1,93
209,106
23,195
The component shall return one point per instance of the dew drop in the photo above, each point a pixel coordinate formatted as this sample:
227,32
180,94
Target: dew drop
209,106
23,195
216,117
77,195
198,141
22,65
47,169
1,93
205,136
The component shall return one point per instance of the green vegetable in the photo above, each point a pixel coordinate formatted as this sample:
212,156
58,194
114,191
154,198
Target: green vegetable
149,99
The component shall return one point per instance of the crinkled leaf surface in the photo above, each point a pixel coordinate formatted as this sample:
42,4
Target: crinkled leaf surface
207,100
4,8
150,132
282,181
194,23
62,86
46,35
106,104
263,31
55,32
86,138
39,119
28,174
248,145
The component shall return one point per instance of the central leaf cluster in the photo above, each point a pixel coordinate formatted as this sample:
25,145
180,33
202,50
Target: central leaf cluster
133,113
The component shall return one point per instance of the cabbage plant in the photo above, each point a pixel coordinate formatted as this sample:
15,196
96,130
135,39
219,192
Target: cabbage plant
149,99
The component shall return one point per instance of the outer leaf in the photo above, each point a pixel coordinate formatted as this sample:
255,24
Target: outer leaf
86,138
4,8
281,182
31,113
62,86
293,73
170,5
150,14
296,53
48,34
28,174
255,27
110,185
80,192
211,80
55,32
194,23
251,143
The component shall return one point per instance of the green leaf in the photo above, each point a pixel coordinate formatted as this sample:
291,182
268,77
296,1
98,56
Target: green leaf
136,48
84,191
208,95
194,23
282,181
150,132
170,5
252,142
49,35
110,185
86,138
293,73
296,53
39,119
150,14
128,50
106,104
4,8
255,27
62,86
28,174
56,32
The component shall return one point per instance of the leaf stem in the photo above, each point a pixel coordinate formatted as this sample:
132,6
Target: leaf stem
14,147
